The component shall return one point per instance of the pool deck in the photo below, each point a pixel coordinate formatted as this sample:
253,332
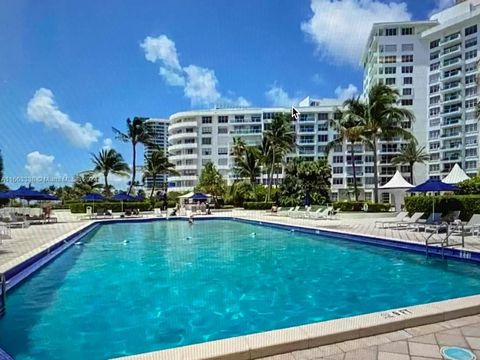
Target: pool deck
414,333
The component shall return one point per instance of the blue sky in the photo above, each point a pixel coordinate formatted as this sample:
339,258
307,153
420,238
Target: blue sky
71,70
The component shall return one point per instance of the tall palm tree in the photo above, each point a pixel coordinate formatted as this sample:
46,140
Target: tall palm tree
136,133
248,165
85,183
280,139
238,148
109,161
380,119
157,164
410,155
349,130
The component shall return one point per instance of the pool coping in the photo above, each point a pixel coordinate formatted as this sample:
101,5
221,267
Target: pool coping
282,340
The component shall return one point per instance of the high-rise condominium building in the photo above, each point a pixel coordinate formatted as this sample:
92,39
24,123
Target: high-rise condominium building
158,130
434,65
197,137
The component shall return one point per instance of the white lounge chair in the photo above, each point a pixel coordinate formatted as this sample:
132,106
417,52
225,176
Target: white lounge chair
432,220
471,227
322,213
410,220
401,216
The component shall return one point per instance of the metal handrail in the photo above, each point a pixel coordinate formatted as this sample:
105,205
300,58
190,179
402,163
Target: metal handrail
3,294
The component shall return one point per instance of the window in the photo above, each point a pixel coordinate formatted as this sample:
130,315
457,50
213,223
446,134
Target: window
434,167
434,157
470,42
337,159
471,91
434,89
206,119
323,138
222,151
223,130
471,152
206,141
407,91
435,55
407,102
434,100
390,48
222,119
239,118
390,70
471,30
322,116
407,69
391,32
206,152
434,134
471,79
338,170
434,111
407,31
434,146
434,66
369,158
407,81
434,44
337,181
323,127
470,128
470,67
222,161
407,47
207,130
470,54
407,58
470,103
392,59
390,81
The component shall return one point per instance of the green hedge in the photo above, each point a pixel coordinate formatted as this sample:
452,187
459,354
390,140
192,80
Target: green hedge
80,207
257,205
467,204
360,205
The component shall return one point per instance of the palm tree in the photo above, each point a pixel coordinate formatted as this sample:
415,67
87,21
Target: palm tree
157,164
248,165
349,130
85,183
136,133
109,161
280,139
410,155
238,148
380,119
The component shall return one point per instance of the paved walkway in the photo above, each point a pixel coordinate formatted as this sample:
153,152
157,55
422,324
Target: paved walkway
418,343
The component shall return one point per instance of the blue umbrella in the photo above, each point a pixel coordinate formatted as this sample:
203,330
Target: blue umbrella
5,195
123,197
433,185
199,197
27,194
49,197
93,197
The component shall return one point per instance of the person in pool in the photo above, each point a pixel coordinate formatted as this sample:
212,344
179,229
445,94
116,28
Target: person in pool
190,220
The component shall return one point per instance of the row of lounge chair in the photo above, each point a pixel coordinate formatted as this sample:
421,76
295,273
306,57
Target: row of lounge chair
309,212
435,222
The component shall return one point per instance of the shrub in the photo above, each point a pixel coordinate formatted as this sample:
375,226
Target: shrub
372,207
257,205
470,186
80,207
349,205
466,204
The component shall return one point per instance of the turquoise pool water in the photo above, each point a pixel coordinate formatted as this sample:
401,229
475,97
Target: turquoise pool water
173,284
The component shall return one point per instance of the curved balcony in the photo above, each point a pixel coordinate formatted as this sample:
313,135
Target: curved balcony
186,167
182,135
175,147
181,125
183,178
183,157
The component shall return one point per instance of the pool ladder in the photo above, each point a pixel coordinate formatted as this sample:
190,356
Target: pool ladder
3,294
444,243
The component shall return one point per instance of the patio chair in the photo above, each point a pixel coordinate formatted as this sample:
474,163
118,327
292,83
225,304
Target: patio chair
322,213
410,220
401,216
433,219
157,212
5,232
290,213
301,212
471,227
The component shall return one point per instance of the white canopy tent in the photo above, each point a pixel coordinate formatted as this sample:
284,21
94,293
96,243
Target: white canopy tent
397,185
455,176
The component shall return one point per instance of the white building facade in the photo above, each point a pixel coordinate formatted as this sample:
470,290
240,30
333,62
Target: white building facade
158,130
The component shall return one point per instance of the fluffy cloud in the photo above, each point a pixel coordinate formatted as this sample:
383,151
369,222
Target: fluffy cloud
107,143
346,93
43,109
440,5
277,96
39,164
340,29
200,84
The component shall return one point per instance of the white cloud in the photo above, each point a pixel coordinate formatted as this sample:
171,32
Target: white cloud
161,49
200,84
277,96
440,5
43,109
346,93
340,29
107,143
39,164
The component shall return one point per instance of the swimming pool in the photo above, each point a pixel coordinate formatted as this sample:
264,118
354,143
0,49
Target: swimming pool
171,284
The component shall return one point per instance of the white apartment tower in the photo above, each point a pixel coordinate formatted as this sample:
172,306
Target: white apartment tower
434,65
158,130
